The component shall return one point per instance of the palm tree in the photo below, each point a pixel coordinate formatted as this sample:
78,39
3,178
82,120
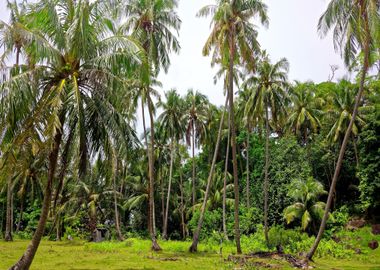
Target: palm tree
306,207
356,30
196,108
268,93
72,75
171,122
304,114
233,39
152,23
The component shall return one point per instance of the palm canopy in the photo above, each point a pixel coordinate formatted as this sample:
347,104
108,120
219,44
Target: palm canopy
304,115
196,109
233,17
306,207
267,86
155,24
78,68
172,118
340,110
355,23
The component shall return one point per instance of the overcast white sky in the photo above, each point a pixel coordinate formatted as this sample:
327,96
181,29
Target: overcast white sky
292,33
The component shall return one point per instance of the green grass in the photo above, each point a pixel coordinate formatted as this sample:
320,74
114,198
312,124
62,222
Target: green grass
135,254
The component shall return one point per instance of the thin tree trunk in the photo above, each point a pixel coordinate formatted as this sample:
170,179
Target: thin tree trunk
162,196
233,138
21,214
26,259
165,230
155,246
8,220
148,156
193,154
117,224
194,245
266,180
341,154
225,181
182,207
247,171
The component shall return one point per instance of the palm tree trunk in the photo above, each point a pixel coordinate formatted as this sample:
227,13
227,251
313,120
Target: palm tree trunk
26,259
21,214
165,229
155,246
247,171
193,154
148,156
233,138
225,182
182,207
117,224
341,153
266,180
194,245
8,220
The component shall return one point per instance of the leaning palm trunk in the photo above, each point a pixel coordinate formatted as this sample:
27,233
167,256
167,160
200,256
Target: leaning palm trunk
182,207
194,245
341,154
26,260
266,180
8,220
233,137
165,228
117,221
225,182
155,245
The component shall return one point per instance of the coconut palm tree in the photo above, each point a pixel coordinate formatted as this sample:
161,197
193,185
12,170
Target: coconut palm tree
267,94
304,115
306,208
72,76
355,27
171,122
233,39
152,22
196,109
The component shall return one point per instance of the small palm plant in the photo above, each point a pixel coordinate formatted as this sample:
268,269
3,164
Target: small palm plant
306,208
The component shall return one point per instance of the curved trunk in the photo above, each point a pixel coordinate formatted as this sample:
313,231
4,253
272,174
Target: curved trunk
266,180
194,245
26,259
8,220
233,137
165,229
341,155
225,183
155,246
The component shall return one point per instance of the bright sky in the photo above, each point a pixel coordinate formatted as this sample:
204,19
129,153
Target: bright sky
292,33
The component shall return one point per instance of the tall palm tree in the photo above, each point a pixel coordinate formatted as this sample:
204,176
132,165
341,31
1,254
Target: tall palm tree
76,62
267,94
233,39
304,114
152,22
196,109
171,120
355,26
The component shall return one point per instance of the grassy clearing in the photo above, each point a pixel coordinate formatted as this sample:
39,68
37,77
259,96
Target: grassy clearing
135,254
